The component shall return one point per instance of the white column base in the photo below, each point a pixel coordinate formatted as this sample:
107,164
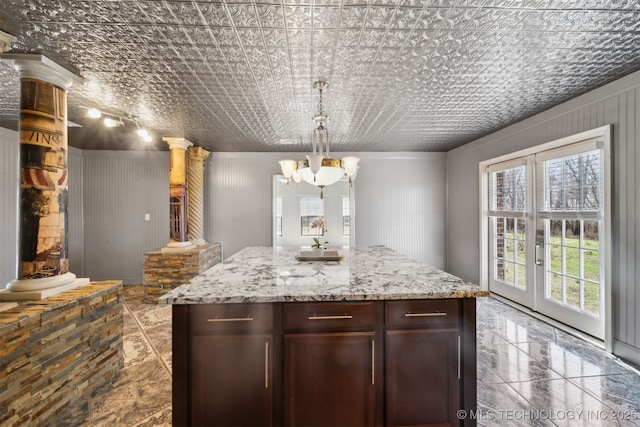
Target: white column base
199,242
37,289
175,246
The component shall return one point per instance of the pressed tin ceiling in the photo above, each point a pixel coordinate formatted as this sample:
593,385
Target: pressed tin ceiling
404,75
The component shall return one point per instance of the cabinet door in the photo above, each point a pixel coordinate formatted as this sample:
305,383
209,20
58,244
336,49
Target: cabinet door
422,377
330,379
231,381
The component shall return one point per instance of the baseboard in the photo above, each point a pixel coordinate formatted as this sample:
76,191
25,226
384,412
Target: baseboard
627,353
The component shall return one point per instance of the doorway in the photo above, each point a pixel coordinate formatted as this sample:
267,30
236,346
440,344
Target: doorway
546,229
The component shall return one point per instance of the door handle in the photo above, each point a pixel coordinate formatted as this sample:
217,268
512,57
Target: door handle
539,255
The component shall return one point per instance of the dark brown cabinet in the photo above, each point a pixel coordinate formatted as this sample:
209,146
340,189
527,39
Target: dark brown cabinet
330,364
231,347
407,362
423,363
234,384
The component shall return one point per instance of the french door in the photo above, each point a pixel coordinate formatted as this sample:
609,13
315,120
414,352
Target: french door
548,225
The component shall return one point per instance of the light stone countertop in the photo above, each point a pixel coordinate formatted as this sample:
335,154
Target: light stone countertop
266,274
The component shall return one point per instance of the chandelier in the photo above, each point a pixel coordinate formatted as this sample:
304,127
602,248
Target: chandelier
319,168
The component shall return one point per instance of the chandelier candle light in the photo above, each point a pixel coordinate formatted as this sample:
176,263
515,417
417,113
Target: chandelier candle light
320,169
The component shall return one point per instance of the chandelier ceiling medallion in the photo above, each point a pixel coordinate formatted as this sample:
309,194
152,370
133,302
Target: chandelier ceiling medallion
319,168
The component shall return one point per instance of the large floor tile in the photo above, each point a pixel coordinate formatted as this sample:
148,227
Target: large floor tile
564,404
512,364
572,359
619,392
502,405
137,349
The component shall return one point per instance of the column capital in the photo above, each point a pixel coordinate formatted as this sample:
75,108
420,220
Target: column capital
42,68
177,142
5,41
197,154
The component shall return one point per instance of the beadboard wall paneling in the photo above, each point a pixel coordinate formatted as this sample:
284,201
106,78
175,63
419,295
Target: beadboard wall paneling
75,234
120,187
9,164
399,201
617,103
238,203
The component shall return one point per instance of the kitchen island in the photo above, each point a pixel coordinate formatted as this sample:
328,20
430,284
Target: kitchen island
373,339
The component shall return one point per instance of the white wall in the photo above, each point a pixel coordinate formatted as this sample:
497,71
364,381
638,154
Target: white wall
617,103
75,209
120,187
399,201
9,182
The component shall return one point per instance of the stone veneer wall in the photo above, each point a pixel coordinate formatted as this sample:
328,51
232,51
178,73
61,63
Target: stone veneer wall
55,352
164,271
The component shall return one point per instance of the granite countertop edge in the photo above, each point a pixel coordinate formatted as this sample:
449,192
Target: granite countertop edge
273,275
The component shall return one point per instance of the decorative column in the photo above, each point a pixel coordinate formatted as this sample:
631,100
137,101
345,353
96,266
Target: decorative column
195,195
5,41
178,232
43,267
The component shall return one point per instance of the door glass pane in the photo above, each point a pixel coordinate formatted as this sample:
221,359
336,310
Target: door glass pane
509,251
592,297
573,183
508,190
556,291
573,267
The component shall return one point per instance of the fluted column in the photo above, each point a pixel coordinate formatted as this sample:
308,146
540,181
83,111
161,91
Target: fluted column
178,228
195,193
43,266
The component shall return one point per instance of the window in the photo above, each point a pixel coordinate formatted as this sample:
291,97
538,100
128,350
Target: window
311,211
346,218
278,218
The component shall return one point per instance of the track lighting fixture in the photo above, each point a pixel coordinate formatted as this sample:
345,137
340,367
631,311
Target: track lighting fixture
115,120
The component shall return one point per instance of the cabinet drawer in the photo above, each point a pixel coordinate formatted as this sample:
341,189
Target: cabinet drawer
422,313
231,317
329,316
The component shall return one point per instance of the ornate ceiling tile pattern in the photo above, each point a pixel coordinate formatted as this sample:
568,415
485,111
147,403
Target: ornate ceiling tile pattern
414,75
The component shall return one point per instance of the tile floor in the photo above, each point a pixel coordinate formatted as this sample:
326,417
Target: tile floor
529,373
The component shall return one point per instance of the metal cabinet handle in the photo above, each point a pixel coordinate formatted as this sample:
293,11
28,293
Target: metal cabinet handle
266,364
373,362
431,314
459,358
340,316
231,319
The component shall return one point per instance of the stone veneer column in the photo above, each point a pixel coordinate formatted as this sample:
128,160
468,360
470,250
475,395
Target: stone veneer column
195,195
43,267
178,230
